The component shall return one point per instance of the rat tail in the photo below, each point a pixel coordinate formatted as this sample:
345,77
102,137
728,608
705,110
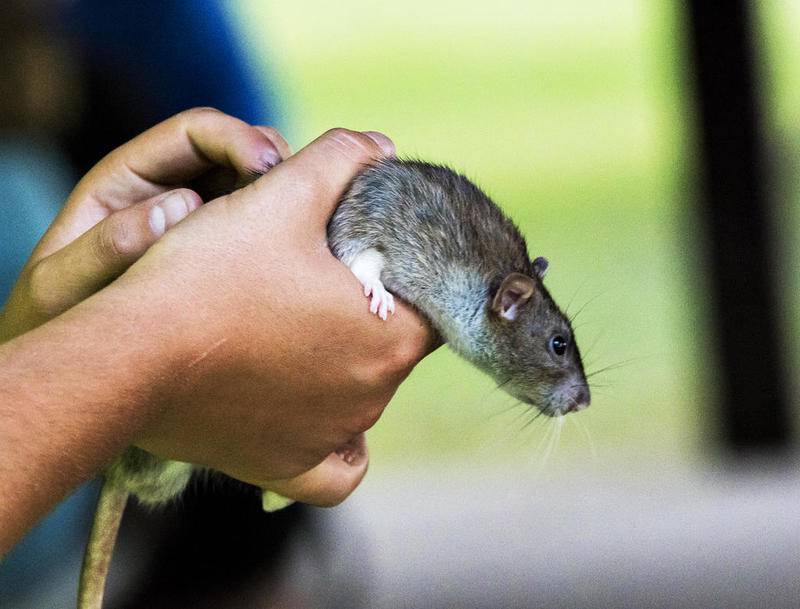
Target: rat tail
99,549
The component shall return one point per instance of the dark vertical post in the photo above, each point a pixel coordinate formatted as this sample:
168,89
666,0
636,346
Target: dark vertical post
736,209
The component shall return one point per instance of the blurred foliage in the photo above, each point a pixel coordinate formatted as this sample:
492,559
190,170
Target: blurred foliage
572,115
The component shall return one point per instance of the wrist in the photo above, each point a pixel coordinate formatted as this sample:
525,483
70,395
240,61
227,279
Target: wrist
73,393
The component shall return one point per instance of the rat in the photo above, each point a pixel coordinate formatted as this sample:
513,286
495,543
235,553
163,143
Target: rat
428,235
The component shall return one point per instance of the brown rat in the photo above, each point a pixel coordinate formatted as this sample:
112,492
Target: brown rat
431,237
434,239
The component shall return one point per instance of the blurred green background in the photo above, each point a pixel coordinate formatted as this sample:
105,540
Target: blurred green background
780,22
574,117
571,115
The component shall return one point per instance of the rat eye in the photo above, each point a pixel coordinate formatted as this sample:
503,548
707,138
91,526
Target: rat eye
559,345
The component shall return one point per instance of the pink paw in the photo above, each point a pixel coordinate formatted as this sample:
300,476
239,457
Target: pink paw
382,302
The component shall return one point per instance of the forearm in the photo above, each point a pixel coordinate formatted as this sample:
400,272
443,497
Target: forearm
73,393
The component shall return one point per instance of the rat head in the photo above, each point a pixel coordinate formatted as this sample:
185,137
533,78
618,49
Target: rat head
534,355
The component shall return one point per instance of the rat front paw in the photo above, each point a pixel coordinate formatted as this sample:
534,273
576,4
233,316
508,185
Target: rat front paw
367,266
382,301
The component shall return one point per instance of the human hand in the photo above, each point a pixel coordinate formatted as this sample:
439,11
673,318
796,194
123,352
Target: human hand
106,225
237,342
127,201
123,205
274,362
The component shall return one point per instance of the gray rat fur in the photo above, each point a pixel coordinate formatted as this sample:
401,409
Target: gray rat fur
434,239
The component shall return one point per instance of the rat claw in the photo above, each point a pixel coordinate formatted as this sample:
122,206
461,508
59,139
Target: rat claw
382,312
367,290
373,306
391,302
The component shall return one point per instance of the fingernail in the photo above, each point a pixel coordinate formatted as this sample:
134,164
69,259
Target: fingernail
175,207
158,221
270,158
386,145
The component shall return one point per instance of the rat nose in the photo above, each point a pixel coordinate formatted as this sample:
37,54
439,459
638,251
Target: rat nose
582,399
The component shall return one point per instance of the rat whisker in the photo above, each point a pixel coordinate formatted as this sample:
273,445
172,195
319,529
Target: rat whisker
530,421
587,434
507,409
596,340
574,294
555,437
493,390
614,366
537,452
584,323
504,383
586,304
526,431
559,427
530,414
521,420
573,387
500,386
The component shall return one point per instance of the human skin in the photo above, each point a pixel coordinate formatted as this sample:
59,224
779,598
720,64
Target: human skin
237,341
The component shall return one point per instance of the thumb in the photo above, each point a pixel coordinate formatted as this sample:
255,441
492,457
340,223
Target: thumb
318,175
106,250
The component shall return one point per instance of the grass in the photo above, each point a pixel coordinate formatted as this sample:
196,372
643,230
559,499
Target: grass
572,116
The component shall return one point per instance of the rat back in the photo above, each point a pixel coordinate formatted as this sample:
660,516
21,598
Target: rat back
428,222
432,237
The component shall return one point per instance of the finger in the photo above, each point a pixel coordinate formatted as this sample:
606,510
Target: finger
170,154
320,173
217,184
178,150
241,181
330,482
189,143
106,250
277,139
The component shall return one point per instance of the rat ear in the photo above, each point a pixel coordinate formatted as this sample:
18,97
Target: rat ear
512,295
540,266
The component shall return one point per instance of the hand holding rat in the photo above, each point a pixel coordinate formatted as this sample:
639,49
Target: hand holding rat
123,205
276,377
116,367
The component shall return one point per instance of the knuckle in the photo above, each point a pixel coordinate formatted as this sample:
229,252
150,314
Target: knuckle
116,239
371,413
398,360
272,133
200,111
389,368
191,118
405,356
339,133
280,142
352,143
368,376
